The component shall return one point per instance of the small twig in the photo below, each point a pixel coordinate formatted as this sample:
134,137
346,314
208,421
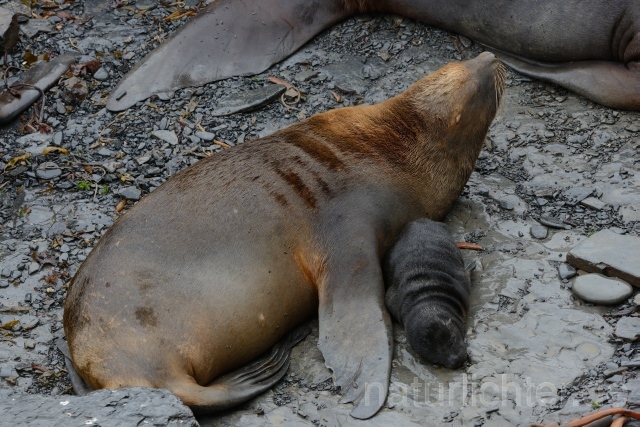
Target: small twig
221,144
100,139
470,246
278,81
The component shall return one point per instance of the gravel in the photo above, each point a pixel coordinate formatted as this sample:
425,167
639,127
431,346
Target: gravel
549,156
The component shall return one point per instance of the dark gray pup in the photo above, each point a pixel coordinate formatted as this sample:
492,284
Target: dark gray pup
428,291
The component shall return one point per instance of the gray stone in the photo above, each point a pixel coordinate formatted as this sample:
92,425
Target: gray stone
33,267
121,407
104,152
57,228
575,195
131,193
593,203
598,289
34,143
101,74
247,101
29,322
554,222
566,271
628,328
48,170
166,136
57,138
29,344
539,231
307,75
609,253
207,136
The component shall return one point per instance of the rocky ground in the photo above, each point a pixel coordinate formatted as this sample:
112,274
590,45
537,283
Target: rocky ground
556,169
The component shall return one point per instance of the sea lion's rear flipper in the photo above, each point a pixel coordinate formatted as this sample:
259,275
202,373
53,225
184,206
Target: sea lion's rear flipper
245,383
227,38
80,386
355,328
609,83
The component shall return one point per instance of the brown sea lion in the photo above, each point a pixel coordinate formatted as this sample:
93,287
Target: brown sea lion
428,291
210,270
589,46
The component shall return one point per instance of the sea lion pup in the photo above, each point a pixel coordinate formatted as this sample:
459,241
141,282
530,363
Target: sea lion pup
212,268
428,291
591,47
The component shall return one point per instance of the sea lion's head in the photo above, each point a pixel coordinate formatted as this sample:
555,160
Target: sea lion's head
448,114
437,335
461,98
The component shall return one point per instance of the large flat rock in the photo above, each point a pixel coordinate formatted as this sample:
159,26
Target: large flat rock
609,253
122,407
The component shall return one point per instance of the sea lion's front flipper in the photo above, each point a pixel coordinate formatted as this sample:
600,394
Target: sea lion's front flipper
355,327
227,38
609,83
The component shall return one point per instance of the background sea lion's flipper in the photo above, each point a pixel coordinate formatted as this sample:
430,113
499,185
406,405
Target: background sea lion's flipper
245,383
355,327
80,386
227,38
609,83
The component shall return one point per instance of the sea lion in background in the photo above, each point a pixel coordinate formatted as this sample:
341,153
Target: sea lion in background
589,46
428,291
212,268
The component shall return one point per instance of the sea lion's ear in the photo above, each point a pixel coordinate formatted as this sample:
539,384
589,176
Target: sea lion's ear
355,327
227,38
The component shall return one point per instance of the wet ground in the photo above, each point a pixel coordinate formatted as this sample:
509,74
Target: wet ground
536,352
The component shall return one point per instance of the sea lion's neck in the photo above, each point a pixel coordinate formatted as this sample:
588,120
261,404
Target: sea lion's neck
416,149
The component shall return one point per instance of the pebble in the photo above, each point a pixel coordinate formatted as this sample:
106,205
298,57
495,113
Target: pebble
207,136
609,253
593,203
305,76
57,138
33,267
598,289
166,136
566,271
101,74
29,344
130,193
539,231
628,328
575,195
554,223
48,170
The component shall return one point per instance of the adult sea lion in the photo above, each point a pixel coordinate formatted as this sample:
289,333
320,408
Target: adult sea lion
210,270
428,291
589,46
